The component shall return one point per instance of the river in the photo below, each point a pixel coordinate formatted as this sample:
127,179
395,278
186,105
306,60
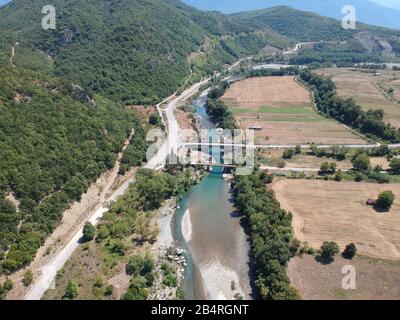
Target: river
216,246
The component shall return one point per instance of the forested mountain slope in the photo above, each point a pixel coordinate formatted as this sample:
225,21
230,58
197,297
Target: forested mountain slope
55,141
62,96
335,44
130,50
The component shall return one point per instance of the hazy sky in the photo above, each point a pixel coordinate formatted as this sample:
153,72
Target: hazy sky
388,3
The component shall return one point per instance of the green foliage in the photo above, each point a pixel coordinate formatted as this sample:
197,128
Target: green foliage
89,232
169,276
395,165
132,51
347,111
142,271
53,147
28,278
328,250
361,162
217,110
271,233
71,291
350,251
386,200
109,290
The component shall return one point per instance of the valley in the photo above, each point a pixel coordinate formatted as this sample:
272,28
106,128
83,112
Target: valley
87,213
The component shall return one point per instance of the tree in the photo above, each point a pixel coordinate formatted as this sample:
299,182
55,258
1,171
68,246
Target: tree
325,168
89,232
333,167
71,291
361,162
102,233
8,285
28,278
288,154
135,265
385,200
350,251
328,250
395,165
339,176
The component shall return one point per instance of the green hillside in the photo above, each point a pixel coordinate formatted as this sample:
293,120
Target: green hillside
129,50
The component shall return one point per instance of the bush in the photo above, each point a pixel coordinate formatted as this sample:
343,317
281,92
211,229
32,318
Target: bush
385,200
361,162
28,278
8,285
109,290
350,251
89,232
395,165
135,265
328,250
71,291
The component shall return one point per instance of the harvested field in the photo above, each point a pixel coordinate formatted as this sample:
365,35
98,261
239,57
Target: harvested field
363,87
266,91
283,112
332,211
375,279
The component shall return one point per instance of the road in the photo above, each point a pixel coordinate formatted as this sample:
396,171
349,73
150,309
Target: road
13,54
285,146
49,271
293,169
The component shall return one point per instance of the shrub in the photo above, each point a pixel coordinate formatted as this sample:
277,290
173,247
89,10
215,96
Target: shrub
350,251
328,250
385,200
89,232
28,278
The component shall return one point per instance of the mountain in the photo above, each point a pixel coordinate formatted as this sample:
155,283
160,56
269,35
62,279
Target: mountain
367,11
63,95
331,43
64,92
131,50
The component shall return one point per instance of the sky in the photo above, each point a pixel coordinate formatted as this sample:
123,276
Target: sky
387,3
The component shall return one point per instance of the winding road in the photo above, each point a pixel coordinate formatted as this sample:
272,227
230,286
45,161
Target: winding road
48,273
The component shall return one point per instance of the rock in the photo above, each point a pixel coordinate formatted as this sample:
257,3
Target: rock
78,93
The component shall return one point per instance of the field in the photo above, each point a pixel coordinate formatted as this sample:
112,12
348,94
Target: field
363,87
332,211
284,113
375,279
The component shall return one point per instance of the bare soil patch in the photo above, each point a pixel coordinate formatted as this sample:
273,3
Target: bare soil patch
333,211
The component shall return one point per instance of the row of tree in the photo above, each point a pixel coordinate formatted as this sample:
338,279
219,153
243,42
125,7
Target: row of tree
217,110
347,111
272,239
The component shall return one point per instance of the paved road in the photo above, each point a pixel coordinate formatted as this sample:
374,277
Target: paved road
286,146
49,271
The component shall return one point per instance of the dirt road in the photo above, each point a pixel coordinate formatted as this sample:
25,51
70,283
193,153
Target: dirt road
49,271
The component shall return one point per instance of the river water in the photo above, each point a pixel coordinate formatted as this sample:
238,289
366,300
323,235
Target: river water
216,246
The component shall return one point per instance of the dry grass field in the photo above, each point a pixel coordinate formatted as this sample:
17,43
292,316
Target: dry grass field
361,86
266,91
283,111
375,279
332,211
